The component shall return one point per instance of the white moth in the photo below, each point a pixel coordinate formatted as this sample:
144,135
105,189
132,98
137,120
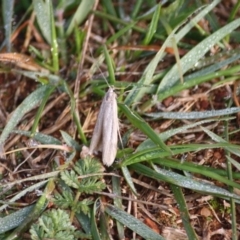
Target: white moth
105,134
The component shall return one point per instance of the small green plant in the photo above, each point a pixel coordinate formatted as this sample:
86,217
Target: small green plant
53,224
84,178
218,206
75,179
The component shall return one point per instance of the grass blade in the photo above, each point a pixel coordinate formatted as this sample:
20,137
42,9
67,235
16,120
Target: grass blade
116,183
166,135
138,122
110,8
40,137
43,13
178,194
13,220
128,179
193,115
109,66
153,26
7,11
192,57
136,94
195,168
94,227
133,223
28,104
41,109
83,10
39,207
181,181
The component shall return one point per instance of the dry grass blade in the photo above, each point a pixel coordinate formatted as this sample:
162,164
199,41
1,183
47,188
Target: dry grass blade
19,60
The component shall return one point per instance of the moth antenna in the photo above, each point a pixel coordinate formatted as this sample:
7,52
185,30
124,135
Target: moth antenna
97,66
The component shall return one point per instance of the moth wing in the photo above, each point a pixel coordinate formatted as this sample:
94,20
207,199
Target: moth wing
110,131
96,142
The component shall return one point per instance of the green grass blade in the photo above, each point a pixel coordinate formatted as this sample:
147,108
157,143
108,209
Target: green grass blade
138,92
193,115
94,227
104,226
179,197
120,33
128,178
83,10
45,18
7,14
230,188
203,11
73,111
122,22
196,81
182,181
132,223
194,168
139,123
28,104
110,66
213,63
40,137
23,193
166,135
234,162
41,109
234,11
38,209
150,154
14,219
218,139
54,42
159,156
153,26
84,220
70,141
110,8
136,9
116,186
172,9
43,13
192,57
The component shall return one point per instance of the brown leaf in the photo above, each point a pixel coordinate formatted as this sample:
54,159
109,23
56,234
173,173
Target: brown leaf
21,61
152,225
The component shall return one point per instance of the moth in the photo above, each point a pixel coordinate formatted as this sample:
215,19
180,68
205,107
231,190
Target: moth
105,133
